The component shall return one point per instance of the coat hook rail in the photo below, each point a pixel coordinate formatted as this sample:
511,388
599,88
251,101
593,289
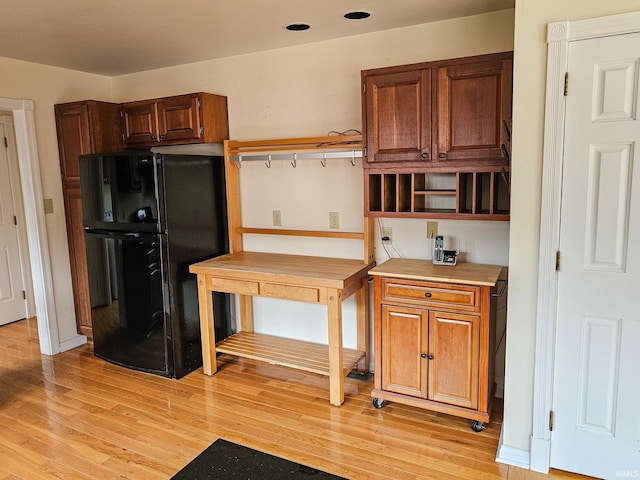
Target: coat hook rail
351,155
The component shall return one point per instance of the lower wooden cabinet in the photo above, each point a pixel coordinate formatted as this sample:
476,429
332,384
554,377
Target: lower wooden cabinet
434,336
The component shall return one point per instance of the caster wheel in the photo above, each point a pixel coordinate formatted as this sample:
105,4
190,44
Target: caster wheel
378,403
477,426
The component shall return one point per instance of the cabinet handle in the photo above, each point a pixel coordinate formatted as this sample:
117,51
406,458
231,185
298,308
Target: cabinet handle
427,294
442,155
425,154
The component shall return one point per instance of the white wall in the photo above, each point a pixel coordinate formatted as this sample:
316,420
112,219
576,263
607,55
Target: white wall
308,91
528,120
47,86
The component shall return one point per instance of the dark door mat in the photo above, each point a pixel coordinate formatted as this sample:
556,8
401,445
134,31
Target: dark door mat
224,460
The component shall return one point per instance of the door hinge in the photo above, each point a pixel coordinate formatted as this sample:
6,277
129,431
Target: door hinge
6,143
121,113
199,103
566,84
24,295
364,88
365,151
15,220
551,420
201,130
558,261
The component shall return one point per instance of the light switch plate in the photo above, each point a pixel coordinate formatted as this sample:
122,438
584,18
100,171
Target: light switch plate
48,205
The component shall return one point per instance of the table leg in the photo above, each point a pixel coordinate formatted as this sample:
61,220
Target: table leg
207,329
363,326
336,376
246,313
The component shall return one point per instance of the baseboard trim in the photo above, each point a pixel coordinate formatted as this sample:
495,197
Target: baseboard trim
76,341
510,455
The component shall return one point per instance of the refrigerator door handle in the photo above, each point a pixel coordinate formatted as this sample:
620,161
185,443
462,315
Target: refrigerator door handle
118,235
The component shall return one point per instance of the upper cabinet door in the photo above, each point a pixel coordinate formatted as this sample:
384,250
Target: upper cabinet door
474,99
74,139
397,110
139,123
84,127
179,118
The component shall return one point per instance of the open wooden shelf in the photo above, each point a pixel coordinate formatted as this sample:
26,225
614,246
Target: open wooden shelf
477,195
307,356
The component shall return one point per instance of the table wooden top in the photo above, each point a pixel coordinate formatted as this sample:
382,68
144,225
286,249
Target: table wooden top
462,273
282,268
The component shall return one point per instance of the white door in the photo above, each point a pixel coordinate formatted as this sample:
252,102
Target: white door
13,306
596,392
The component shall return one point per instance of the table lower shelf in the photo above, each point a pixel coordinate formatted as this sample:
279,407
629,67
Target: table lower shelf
307,356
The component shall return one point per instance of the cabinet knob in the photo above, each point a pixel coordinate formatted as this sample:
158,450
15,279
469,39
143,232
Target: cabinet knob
423,355
162,137
442,155
430,357
153,137
425,154
427,294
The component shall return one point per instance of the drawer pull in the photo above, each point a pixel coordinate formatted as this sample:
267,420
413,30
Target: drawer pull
427,294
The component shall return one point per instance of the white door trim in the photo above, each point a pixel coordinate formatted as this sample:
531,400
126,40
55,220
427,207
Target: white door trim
559,34
25,133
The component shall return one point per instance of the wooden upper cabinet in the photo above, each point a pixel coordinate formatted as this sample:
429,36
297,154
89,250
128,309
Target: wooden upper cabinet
84,127
440,114
398,116
190,118
474,99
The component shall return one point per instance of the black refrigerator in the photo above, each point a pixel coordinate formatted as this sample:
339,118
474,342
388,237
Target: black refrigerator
147,216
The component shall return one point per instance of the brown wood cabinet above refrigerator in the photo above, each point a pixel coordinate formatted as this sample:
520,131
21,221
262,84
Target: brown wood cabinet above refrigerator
82,127
190,118
447,113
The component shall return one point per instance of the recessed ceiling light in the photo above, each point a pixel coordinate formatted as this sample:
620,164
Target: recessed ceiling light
298,27
356,15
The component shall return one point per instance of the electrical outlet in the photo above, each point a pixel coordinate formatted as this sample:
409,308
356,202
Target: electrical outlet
277,218
387,234
432,230
334,220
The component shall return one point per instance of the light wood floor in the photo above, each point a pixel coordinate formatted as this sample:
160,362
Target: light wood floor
73,416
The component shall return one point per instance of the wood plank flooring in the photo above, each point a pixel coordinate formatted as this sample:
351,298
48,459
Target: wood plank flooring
73,416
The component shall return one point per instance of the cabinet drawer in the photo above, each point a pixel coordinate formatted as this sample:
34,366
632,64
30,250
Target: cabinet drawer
431,294
240,287
288,292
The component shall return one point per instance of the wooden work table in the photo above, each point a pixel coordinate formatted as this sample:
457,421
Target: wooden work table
319,280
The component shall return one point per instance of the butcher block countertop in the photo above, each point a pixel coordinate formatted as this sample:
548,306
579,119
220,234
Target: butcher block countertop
462,273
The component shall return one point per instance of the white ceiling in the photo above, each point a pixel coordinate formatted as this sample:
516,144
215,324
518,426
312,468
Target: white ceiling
115,37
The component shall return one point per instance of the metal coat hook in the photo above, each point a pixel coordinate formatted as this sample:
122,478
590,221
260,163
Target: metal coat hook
323,162
268,162
353,158
295,157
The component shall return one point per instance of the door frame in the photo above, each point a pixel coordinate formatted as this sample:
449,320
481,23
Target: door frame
559,36
25,133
